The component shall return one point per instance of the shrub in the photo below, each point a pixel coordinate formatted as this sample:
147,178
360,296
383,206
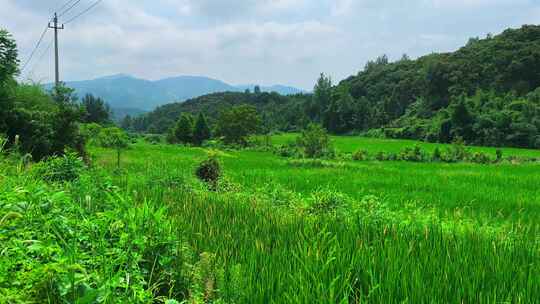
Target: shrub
327,201
314,141
360,155
414,154
153,139
499,154
480,158
437,156
209,171
289,149
64,168
380,156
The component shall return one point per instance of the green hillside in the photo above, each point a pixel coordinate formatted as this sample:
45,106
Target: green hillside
486,93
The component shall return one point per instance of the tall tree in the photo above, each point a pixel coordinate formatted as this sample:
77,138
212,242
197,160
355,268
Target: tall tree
8,70
183,132
237,123
257,90
97,111
201,131
322,95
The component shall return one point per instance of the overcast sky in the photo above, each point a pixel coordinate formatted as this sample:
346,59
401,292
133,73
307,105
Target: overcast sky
251,41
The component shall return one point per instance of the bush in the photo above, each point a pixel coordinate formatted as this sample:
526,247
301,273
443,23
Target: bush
437,156
499,154
209,171
328,201
380,156
412,154
153,139
480,158
64,168
289,149
314,142
360,155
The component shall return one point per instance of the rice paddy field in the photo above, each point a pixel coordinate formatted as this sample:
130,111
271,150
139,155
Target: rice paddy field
336,231
449,233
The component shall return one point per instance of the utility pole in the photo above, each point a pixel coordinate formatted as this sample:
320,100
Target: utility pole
56,65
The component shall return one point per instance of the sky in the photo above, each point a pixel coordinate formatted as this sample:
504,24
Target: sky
265,42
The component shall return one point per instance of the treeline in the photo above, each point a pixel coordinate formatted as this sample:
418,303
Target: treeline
485,93
40,123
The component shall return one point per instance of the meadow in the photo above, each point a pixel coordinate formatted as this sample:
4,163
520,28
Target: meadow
437,218
336,231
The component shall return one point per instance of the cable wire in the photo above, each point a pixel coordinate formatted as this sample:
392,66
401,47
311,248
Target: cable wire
69,8
35,48
41,58
64,6
83,12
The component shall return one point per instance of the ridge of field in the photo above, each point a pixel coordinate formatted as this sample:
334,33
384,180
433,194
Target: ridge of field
350,144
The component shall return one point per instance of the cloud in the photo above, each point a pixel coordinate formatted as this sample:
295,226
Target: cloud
254,41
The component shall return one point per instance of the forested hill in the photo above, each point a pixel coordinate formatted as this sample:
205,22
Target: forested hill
278,110
486,93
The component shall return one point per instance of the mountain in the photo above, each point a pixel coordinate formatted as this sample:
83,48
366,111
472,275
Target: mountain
485,93
126,92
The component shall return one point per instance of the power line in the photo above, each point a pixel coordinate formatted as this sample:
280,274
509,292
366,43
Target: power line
64,6
84,12
69,8
35,48
36,64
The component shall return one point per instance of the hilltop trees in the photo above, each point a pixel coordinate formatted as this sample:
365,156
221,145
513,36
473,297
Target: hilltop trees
483,93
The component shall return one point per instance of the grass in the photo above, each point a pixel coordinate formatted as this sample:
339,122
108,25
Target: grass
282,231
373,145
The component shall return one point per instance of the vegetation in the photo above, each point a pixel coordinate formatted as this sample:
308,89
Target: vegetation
236,124
283,218
486,93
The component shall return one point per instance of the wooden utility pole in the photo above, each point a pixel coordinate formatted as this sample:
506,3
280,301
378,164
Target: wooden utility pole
56,65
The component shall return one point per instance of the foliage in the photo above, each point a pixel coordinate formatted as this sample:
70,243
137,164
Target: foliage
65,168
114,138
238,123
209,171
9,63
360,155
183,131
96,110
314,141
201,131
487,92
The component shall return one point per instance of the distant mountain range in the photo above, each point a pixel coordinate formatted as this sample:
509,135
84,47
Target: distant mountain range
128,94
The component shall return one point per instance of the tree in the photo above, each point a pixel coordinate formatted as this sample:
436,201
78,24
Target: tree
66,123
314,141
257,90
127,123
237,123
97,111
183,132
114,138
462,120
201,131
8,70
9,62
322,95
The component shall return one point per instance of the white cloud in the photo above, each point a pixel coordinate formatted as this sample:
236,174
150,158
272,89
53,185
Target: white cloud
264,41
